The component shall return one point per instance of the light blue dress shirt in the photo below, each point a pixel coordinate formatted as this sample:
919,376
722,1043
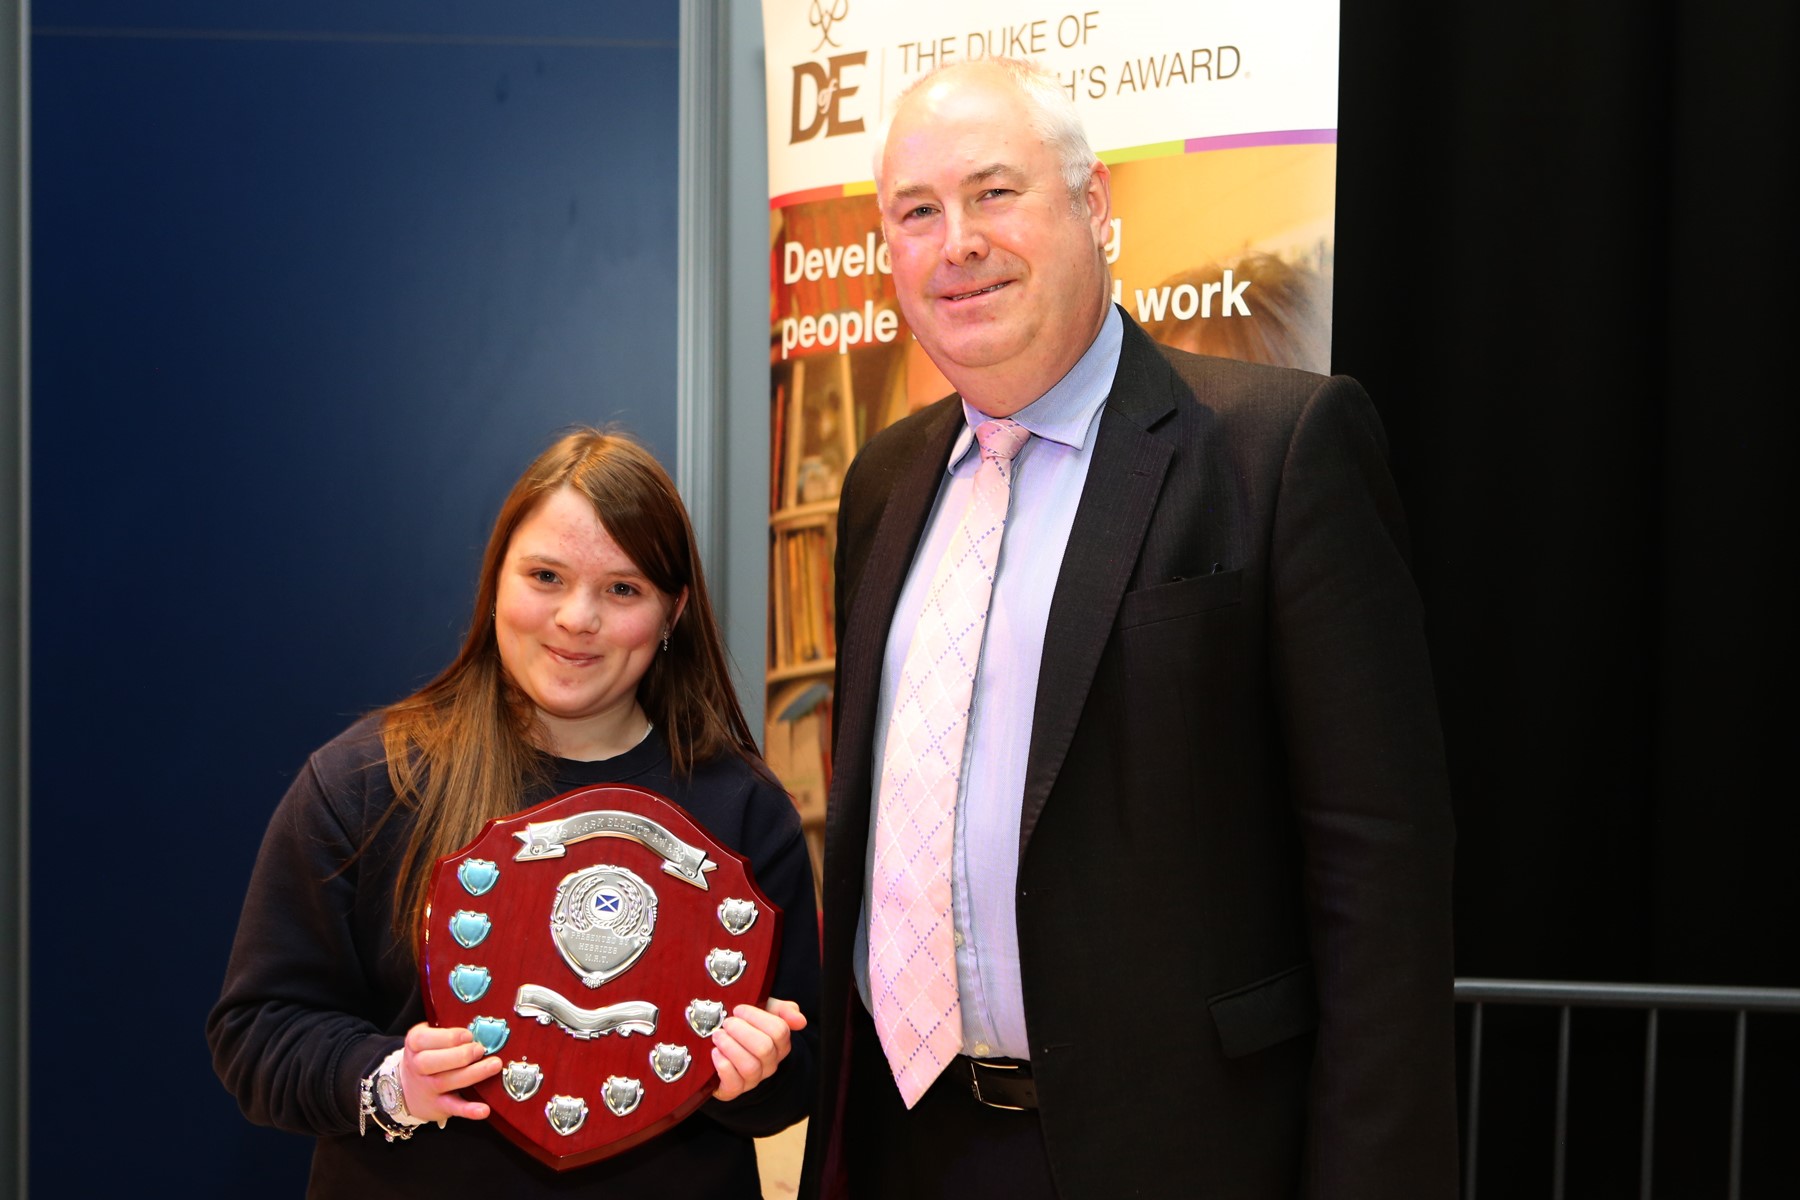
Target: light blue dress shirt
1047,479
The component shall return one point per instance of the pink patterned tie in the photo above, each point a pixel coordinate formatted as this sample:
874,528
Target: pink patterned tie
912,961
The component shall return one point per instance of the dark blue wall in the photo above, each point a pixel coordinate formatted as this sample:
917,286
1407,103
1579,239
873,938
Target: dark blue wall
307,294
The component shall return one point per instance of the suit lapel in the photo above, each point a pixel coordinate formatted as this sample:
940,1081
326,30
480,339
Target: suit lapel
1124,480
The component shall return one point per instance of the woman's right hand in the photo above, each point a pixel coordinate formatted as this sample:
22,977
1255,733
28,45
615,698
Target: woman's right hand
436,1064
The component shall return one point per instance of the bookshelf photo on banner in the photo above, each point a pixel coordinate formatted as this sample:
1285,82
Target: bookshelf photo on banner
826,401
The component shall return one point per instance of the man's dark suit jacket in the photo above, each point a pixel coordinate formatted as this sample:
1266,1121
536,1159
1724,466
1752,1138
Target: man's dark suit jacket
1234,872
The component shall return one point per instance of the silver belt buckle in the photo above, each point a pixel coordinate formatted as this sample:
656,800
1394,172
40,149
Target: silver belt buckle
976,1066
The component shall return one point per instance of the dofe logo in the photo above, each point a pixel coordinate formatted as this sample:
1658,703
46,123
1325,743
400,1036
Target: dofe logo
818,91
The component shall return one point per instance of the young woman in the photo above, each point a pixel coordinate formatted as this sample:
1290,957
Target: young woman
593,657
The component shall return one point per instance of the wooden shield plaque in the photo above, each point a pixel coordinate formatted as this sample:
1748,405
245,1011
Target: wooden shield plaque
593,943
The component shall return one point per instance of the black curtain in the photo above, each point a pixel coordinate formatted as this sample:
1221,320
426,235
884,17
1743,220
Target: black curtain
1563,274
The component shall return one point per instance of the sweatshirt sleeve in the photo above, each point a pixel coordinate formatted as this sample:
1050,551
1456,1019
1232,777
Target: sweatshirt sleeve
302,1016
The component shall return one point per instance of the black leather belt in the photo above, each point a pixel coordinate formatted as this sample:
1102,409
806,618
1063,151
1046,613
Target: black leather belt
998,1082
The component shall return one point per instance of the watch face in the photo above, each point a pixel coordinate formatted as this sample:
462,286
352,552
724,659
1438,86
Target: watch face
392,1098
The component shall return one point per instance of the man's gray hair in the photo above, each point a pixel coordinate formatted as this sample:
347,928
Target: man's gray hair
1053,116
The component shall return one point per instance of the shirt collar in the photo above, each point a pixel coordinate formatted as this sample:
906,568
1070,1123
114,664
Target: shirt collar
1065,413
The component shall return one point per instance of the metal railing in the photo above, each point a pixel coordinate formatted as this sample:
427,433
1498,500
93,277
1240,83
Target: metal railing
1649,998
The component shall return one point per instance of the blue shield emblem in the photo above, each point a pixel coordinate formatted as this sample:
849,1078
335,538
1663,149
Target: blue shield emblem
478,875
469,928
491,1032
469,983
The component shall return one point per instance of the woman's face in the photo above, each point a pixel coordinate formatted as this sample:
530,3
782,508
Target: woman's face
578,624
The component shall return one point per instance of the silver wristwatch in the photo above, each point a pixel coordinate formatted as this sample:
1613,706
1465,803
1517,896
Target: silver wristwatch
390,1093
383,1101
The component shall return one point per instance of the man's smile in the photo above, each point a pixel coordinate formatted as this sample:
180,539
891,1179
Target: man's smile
989,289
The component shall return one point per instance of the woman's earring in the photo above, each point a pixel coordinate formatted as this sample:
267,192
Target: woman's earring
665,641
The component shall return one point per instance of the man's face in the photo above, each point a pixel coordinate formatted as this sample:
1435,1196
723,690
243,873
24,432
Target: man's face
998,273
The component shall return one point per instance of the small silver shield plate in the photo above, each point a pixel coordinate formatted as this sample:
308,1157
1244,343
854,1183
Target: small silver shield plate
703,1016
669,1061
724,965
566,1113
737,916
522,1079
621,1094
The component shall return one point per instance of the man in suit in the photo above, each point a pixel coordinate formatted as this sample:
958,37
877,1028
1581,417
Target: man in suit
1200,863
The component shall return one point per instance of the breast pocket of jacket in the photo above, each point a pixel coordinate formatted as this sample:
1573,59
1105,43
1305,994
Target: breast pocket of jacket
1172,601
1174,632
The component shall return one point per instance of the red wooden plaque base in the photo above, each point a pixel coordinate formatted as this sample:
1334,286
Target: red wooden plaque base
587,941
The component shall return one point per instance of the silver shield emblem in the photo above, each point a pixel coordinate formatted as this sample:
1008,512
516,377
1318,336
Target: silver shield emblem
522,1079
669,1061
566,1113
703,1016
601,921
621,1094
725,965
737,916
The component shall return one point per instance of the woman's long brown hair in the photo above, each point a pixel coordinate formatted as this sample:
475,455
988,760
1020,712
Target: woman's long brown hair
466,747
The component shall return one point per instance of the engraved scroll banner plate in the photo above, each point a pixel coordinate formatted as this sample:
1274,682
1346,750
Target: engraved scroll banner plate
592,943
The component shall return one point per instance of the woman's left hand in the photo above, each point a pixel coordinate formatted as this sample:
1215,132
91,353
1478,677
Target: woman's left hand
751,1043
